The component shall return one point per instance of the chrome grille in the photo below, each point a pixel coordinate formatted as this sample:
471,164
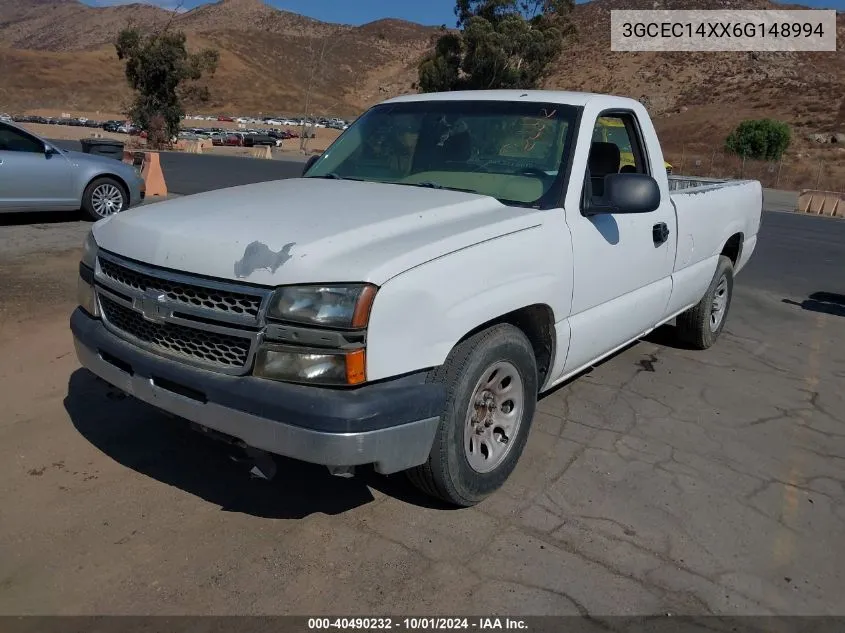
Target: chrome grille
218,300
197,345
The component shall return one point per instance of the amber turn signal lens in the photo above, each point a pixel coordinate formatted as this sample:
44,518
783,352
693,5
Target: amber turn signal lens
356,367
361,316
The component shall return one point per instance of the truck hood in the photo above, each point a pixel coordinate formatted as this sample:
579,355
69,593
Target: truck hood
306,230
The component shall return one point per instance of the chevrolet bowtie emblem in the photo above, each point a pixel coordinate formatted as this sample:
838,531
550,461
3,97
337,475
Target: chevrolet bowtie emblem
153,305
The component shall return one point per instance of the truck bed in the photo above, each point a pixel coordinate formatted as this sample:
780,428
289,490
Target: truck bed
709,211
693,184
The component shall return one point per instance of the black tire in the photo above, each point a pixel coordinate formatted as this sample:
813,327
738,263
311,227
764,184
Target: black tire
88,204
447,474
694,325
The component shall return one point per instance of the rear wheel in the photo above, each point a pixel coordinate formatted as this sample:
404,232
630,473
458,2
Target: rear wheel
104,197
702,324
491,382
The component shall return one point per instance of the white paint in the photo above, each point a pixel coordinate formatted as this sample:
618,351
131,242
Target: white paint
448,262
419,316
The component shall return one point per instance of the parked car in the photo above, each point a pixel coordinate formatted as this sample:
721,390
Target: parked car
234,140
447,260
39,176
252,140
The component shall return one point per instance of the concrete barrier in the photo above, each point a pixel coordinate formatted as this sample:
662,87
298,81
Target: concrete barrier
149,164
261,152
816,202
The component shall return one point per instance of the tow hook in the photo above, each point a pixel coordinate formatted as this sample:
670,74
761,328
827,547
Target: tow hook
263,464
342,471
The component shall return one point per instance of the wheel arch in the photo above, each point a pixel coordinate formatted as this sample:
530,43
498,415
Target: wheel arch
732,248
123,184
537,322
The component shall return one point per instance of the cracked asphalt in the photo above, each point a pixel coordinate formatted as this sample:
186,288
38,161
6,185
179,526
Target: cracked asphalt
663,481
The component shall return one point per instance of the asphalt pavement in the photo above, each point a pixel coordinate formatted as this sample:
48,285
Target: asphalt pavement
665,480
187,174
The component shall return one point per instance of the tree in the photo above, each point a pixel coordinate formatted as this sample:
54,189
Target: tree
165,77
763,139
500,44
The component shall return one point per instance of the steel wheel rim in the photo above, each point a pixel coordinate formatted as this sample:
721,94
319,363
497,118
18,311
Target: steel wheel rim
106,199
720,303
494,417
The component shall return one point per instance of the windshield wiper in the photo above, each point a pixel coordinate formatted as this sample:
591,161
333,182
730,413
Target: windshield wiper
335,176
428,184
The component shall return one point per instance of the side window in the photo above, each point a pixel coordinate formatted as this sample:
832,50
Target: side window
11,140
616,147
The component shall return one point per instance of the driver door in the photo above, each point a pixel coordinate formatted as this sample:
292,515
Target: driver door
31,179
622,261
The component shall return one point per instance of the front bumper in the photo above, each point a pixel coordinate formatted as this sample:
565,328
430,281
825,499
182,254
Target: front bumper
390,424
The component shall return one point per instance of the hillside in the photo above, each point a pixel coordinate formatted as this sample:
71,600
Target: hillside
58,54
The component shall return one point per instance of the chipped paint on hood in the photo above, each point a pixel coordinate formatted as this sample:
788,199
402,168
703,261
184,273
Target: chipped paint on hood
258,255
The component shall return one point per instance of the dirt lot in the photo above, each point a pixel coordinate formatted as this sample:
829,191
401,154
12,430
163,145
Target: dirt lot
665,480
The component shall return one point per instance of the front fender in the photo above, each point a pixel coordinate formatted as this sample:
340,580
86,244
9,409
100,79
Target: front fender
421,314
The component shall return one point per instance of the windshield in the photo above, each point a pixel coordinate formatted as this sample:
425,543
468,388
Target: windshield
512,151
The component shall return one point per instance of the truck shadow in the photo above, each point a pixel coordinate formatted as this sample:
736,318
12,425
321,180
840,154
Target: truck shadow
149,442
823,302
667,336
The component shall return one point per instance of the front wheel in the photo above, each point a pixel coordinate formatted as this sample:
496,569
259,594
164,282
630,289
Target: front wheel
104,197
701,325
491,381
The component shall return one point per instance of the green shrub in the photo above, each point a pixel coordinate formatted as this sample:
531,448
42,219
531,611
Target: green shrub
763,139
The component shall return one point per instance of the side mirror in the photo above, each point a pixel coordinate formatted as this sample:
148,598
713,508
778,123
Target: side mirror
49,150
626,193
311,160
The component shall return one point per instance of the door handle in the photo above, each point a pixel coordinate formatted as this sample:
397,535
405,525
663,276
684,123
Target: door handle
660,233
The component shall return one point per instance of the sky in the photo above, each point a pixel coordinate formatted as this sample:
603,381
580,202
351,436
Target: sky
433,12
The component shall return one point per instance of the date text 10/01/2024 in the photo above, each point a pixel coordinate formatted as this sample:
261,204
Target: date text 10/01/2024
416,624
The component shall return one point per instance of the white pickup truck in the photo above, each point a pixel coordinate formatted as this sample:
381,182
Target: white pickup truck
402,304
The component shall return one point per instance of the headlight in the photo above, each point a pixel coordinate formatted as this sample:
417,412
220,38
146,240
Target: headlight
89,251
345,306
328,367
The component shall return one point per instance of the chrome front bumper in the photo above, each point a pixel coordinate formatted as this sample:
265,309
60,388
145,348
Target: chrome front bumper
390,425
